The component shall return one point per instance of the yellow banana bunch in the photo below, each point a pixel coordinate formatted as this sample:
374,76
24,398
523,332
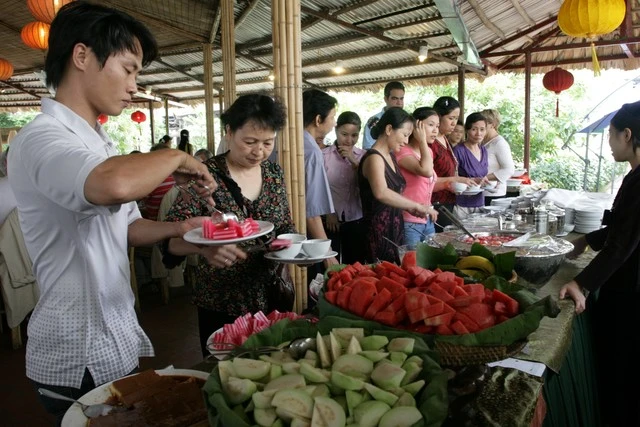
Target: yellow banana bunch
475,262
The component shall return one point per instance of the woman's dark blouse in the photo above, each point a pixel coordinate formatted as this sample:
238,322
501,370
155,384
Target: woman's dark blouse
444,165
617,265
241,288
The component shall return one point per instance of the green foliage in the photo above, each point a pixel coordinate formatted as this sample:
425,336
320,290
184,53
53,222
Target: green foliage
16,120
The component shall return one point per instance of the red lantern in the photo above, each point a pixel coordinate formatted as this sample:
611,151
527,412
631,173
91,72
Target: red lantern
102,119
6,69
138,116
556,81
45,10
36,35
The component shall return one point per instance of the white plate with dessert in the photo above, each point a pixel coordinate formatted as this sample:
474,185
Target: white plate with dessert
74,417
195,236
301,258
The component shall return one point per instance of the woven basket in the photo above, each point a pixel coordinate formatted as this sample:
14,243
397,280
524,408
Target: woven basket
461,355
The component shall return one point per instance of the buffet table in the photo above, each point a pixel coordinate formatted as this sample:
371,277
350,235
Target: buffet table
566,393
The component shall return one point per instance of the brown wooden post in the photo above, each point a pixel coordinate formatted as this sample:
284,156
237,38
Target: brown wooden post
207,60
151,123
527,110
288,88
461,91
166,116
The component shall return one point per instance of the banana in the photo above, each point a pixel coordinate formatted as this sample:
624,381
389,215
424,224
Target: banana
477,262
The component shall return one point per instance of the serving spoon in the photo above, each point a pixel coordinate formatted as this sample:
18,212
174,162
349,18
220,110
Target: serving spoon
217,216
90,411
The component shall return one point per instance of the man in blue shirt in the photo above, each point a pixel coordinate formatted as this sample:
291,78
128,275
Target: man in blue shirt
393,97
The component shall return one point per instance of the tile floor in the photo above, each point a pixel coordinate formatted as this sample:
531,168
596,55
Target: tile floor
173,329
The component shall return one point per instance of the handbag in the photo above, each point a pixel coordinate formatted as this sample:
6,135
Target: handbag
281,293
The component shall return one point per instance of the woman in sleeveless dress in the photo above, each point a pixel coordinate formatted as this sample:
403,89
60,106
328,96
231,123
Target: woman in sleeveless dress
381,185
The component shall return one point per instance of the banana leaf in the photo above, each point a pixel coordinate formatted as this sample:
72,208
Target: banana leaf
532,310
432,400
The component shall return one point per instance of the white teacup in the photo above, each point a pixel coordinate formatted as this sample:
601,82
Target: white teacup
459,187
289,252
316,247
294,237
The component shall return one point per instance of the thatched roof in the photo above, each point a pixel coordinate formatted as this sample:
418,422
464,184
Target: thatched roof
376,40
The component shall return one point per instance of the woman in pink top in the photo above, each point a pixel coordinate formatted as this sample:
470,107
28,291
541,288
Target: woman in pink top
341,160
416,165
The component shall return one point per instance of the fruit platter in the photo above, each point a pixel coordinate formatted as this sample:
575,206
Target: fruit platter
437,293
357,375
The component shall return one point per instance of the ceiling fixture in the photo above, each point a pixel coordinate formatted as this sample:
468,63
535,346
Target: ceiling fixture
423,53
36,35
6,69
339,67
45,10
271,76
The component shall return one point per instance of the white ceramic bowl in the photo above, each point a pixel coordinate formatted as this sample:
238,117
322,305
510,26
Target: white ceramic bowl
513,182
519,172
459,187
568,228
474,188
491,184
295,238
316,247
289,252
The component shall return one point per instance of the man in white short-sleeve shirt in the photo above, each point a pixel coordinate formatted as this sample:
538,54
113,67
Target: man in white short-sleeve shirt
75,198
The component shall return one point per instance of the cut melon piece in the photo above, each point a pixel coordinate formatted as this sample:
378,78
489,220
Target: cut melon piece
353,363
312,363
297,402
374,342
265,417
402,416
313,375
291,368
414,387
286,381
300,422
336,347
226,370
374,355
262,399
354,398
368,414
277,358
387,375
323,352
414,359
311,355
354,346
381,395
397,357
327,413
346,382
413,371
275,372
322,390
239,390
250,368
344,335
404,345
406,399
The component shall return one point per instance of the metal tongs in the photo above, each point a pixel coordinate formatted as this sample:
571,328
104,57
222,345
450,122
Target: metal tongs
446,212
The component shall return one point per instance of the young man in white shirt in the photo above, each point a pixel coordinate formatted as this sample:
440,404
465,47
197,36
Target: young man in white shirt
76,202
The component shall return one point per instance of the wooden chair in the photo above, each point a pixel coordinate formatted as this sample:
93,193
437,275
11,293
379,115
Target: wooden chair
134,280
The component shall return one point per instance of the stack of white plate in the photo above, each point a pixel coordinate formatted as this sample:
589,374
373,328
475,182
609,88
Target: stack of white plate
505,201
569,215
587,221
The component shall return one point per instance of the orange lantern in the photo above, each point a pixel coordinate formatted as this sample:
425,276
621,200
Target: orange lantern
45,10
36,35
6,69
591,18
138,116
102,119
556,81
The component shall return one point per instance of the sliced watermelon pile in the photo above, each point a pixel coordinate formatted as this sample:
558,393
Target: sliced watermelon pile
415,298
245,326
229,230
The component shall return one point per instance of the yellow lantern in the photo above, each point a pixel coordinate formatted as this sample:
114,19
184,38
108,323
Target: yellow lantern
45,10
36,35
6,69
591,18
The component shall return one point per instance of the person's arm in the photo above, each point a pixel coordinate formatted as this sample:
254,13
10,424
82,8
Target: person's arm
373,170
121,179
144,232
217,256
424,166
505,160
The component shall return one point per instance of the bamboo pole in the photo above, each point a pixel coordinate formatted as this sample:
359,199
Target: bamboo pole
228,57
207,59
152,123
166,116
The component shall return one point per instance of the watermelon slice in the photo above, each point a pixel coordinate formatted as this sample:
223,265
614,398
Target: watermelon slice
512,306
380,302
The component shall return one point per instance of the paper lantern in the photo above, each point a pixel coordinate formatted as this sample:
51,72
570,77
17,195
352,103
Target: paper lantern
591,18
6,69
556,81
45,10
36,35
138,116
103,118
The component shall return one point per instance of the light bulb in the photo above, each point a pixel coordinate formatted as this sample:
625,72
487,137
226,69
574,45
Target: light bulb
339,67
423,53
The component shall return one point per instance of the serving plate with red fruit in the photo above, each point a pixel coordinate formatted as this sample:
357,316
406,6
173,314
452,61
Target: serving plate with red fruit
440,304
228,232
